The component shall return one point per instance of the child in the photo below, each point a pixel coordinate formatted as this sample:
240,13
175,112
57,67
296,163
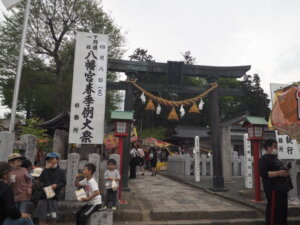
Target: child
93,198
20,182
109,175
26,163
54,177
37,189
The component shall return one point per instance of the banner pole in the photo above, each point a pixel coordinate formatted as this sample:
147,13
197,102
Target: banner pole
19,69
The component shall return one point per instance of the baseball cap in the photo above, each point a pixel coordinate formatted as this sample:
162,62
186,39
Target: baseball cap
15,156
52,155
36,172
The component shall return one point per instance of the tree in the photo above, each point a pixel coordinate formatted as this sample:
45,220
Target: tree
256,100
49,51
141,54
188,58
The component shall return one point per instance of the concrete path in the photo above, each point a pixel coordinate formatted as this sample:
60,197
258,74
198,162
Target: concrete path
165,199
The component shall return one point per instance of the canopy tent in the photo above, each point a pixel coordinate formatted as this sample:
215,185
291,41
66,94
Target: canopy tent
153,142
285,115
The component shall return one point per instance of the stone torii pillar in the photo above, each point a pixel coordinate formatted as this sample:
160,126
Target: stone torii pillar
128,106
213,104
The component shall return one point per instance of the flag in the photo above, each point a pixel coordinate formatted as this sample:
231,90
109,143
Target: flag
10,3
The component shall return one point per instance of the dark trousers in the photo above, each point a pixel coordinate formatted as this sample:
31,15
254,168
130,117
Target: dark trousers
84,212
133,164
277,208
111,196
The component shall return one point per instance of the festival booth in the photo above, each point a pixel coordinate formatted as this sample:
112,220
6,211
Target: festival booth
162,146
285,115
285,120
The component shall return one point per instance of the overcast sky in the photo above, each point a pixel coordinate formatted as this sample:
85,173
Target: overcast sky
262,33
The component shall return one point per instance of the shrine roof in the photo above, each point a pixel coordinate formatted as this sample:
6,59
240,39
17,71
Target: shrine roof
57,120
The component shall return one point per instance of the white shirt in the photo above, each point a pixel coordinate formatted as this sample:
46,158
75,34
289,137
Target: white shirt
141,152
112,174
133,153
90,186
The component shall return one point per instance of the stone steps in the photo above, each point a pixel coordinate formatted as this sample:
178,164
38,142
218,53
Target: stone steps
236,221
194,215
68,215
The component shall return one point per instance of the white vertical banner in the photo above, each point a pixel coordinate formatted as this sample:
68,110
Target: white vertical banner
287,147
10,3
248,163
89,89
197,159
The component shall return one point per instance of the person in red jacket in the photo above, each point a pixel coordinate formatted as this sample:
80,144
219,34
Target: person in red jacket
9,214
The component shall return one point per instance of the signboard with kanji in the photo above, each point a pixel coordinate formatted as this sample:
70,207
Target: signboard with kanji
287,147
89,89
248,163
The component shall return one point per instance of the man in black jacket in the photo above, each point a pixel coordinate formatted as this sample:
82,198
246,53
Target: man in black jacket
9,214
54,179
273,176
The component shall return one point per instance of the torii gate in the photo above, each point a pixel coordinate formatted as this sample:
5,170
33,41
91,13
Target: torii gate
174,72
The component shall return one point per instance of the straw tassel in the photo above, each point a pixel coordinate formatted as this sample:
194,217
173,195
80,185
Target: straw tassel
194,108
150,106
173,115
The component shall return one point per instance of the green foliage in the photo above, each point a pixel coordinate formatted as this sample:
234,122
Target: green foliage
256,100
33,127
49,55
158,133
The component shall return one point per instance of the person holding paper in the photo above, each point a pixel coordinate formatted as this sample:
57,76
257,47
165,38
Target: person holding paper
93,199
52,180
112,177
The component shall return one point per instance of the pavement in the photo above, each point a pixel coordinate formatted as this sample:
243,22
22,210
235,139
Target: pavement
162,200
168,199
236,192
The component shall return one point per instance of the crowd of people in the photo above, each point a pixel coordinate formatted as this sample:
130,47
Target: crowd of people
30,195
142,157
23,199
